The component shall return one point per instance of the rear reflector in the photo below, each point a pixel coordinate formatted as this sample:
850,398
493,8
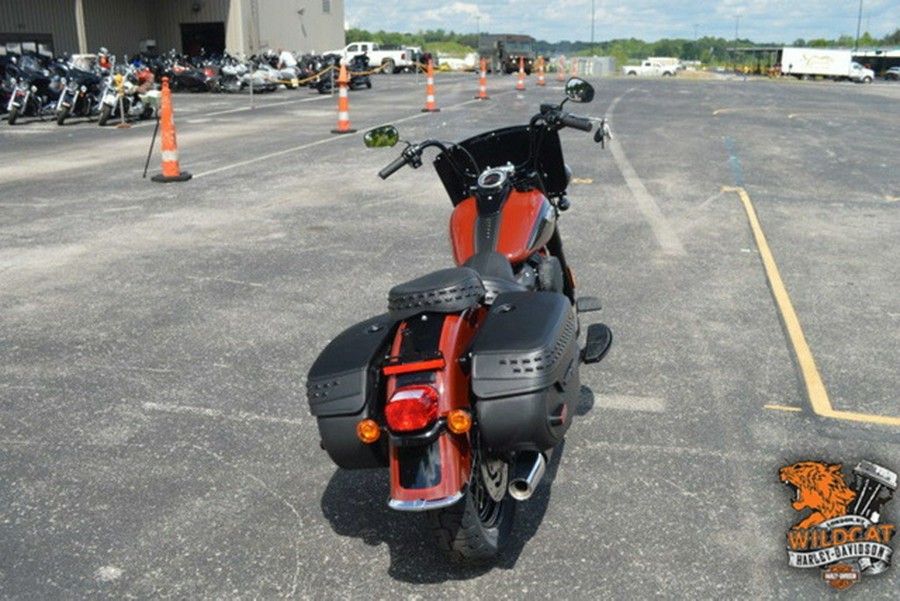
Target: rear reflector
412,408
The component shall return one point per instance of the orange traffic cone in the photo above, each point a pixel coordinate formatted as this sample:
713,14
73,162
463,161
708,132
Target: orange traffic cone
170,170
482,84
540,80
574,67
520,84
561,70
430,106
343,104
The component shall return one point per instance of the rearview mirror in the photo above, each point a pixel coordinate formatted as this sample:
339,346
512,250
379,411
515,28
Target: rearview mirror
382,137
578,90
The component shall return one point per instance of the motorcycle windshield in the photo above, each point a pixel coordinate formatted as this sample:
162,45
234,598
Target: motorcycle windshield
497,148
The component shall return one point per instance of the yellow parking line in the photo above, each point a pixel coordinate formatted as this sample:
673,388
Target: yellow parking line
782,408
815,388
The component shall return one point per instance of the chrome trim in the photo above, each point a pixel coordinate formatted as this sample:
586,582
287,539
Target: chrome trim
423,505
528,473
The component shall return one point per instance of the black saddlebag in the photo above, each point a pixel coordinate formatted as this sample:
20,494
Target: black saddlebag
525,371
343,387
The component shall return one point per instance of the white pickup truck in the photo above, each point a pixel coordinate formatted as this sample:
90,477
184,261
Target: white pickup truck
392,61
650,68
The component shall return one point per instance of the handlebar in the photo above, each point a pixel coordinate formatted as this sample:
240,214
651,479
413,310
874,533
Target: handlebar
551,118
395,165
581,123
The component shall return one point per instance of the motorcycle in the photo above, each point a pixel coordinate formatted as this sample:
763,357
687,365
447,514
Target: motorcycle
130,93
184,75
79,95
359,72
357,69
32,89
465,387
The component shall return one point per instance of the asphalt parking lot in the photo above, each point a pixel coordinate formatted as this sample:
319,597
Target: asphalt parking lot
155,440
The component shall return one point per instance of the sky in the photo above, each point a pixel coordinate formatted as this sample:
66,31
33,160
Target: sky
649,20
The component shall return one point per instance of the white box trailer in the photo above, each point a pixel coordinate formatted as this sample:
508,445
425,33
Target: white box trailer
837,64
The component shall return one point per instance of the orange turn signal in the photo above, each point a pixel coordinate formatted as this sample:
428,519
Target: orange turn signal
368,431
459,421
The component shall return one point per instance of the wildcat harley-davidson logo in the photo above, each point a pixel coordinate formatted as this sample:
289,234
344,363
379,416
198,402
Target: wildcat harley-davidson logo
844,535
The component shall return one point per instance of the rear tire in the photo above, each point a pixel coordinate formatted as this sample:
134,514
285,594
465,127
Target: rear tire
475,530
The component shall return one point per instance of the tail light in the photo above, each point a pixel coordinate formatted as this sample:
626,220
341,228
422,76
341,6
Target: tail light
412,408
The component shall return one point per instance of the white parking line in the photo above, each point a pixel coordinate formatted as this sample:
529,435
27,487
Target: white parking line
239,416
265,106
279,153
646,204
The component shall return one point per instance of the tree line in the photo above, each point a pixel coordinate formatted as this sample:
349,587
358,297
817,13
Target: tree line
707,49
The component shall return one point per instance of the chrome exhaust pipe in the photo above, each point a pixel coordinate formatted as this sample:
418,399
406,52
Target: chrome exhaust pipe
527,473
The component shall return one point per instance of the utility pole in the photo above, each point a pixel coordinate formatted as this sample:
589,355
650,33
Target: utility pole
593,53
858,23
737,23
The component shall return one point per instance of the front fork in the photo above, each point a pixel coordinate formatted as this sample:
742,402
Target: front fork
430,469
14,99
110,98
64,99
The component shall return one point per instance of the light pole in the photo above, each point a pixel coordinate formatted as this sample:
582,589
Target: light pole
858,23
737,23
593,53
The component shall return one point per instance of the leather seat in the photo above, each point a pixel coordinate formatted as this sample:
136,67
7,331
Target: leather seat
446,291
496,274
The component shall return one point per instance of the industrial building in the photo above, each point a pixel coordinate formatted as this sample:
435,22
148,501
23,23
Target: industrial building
125,27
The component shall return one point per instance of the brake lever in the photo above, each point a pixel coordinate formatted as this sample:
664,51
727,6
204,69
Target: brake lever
603,132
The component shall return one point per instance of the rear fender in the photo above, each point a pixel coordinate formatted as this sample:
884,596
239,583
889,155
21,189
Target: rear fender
431,470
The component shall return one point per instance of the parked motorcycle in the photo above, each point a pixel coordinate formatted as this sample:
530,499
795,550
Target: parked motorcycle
130,93
327,66
79,95
359,72
467,384
357,69
32,89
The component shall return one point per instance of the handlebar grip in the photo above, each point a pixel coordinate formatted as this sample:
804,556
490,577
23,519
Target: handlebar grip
392,168
577,122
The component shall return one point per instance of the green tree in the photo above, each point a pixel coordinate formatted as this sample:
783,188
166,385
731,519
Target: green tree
866,40
666,47
892,39
357,35
845,41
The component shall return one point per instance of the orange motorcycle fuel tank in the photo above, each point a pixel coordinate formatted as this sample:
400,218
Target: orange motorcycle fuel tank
513,223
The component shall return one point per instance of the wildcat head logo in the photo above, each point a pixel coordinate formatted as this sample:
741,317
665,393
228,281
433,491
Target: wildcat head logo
819,487
842,535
